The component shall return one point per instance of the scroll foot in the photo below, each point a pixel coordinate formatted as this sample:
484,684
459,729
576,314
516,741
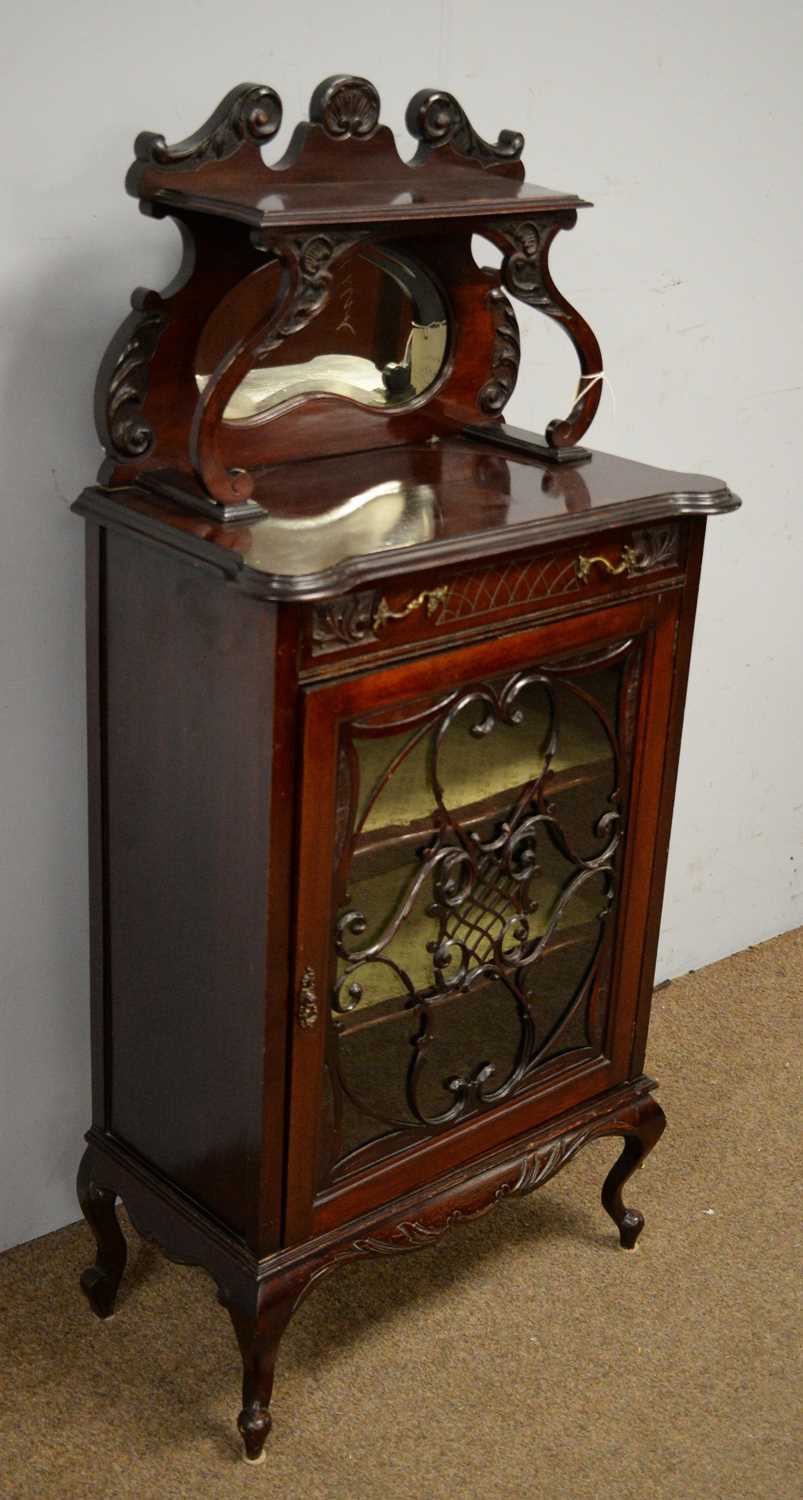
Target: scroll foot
648,1124
259,1328
101,1281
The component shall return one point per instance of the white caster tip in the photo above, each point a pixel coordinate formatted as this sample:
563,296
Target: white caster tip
254,1461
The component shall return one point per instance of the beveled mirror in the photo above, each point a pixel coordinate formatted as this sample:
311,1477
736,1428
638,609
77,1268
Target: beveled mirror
380,341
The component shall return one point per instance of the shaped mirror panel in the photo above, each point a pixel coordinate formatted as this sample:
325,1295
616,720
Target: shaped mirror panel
380,340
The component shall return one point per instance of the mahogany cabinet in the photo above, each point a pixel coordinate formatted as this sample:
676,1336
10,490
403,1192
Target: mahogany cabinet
383,732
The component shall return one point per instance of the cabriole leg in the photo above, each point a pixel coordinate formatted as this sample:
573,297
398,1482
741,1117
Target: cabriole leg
101,1281
648,1124
259,1329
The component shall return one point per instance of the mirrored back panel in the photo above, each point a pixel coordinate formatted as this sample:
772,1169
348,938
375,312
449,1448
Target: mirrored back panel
381,339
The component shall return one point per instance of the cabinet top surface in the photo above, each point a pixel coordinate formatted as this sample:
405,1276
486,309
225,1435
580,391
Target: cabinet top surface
333,522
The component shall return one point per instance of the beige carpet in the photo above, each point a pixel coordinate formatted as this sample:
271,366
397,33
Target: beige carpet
525,1356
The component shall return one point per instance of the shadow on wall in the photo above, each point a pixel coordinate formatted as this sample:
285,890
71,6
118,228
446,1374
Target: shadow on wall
56,322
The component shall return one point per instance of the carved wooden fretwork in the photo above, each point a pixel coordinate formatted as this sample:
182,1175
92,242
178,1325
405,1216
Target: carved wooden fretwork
249,114
437,120
526,275
493,914
497,391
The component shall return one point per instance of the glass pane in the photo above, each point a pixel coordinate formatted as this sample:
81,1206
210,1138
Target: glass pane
473,893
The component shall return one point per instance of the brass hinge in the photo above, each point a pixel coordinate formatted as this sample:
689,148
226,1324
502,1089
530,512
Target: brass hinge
307,1012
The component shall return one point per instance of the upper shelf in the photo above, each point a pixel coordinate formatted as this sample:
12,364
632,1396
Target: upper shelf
455,174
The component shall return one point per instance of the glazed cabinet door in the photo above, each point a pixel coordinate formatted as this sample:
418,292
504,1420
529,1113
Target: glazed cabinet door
477,838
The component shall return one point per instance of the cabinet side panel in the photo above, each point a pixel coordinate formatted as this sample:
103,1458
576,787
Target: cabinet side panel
188,701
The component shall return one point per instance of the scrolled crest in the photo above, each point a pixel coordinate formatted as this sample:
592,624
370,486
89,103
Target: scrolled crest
345,106
436,119
251,112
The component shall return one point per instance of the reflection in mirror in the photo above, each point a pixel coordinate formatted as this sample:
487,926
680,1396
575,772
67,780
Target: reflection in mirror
380,339
384,516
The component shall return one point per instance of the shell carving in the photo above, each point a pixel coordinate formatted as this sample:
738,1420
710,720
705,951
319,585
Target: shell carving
346,107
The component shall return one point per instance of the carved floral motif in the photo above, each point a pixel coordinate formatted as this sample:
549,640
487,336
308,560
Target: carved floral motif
128,432
657,548
497,391
526,1173
310,261
346,621
522,269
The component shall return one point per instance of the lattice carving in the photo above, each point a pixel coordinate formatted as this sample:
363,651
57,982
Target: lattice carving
512,584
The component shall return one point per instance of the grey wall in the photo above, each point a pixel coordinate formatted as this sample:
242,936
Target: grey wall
683,124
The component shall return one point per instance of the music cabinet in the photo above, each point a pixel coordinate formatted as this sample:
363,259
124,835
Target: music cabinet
385,701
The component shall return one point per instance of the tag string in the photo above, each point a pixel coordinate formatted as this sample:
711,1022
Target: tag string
585,383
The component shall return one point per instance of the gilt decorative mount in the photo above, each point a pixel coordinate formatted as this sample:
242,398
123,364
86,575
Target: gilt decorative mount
330,302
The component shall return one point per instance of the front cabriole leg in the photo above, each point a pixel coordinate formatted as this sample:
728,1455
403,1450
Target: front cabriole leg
260,1316
647,1127
101,1281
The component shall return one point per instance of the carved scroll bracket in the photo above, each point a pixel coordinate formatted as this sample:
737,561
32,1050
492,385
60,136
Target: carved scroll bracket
436,119
249,115
526,275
